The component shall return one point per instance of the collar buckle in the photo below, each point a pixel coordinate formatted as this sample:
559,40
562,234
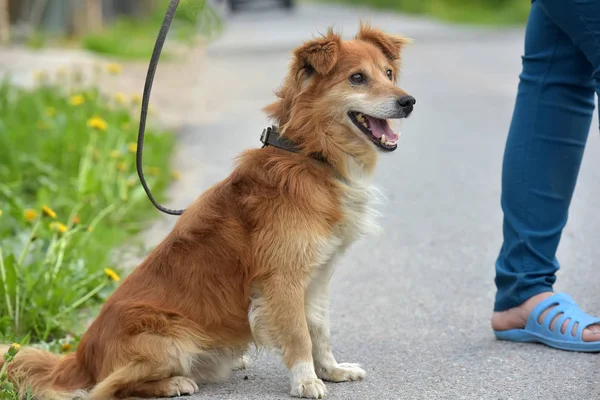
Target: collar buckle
264,137
271,137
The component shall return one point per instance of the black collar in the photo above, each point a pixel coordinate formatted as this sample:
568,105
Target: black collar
270,137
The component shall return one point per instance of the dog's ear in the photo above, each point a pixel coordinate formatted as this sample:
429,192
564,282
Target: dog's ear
319,55
390,45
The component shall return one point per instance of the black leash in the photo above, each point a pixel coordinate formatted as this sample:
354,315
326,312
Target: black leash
160,40
269,137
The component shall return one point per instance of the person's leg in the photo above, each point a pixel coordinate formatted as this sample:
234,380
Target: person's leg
543,153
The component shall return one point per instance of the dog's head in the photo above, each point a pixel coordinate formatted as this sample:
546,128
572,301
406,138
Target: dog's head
339,95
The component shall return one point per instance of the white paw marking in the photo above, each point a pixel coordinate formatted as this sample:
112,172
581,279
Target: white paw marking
240,363
305,383
179,385
310,389
343,372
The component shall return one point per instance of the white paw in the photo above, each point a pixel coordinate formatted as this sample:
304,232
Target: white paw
241,362
310,389
179,385
342,373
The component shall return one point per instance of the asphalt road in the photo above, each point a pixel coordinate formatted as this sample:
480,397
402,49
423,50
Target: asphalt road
412,306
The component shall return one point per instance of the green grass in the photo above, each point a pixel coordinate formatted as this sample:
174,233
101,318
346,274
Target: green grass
485,12
133,39
69,196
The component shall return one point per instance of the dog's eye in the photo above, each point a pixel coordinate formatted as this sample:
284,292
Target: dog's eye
390,74
357,79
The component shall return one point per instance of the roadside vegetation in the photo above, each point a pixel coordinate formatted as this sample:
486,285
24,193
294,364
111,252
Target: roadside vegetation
486,12
69,197
192,18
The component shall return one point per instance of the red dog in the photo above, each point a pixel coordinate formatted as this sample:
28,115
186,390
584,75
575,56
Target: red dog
249,262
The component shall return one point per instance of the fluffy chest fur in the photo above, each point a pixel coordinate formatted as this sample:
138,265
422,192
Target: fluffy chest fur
357,197
357,202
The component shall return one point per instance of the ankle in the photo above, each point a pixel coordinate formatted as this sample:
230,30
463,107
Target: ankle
516,317
529,304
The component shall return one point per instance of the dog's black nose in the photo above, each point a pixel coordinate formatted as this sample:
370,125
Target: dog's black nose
406,101
406,104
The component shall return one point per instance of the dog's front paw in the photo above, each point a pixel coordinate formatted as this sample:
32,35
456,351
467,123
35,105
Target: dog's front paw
342,373
310,389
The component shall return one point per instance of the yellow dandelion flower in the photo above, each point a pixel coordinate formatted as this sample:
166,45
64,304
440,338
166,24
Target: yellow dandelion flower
112,274
30,215
66,347
176,175
0,213
48,212
58,227
114,68
77,100
12,352
76,220
114,154
132,147
136,99
125,126
122,166
97,123
89,229
120,98
51,111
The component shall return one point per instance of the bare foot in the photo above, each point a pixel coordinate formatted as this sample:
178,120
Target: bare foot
516,318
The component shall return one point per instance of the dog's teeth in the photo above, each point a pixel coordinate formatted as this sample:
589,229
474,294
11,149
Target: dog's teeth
383,139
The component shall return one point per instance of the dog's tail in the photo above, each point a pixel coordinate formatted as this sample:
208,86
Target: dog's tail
44,375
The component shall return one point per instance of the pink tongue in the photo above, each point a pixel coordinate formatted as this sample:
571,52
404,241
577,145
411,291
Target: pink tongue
380,127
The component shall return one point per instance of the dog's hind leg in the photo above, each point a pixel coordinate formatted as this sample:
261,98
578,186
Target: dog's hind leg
145,380
149,366
168,387
126,379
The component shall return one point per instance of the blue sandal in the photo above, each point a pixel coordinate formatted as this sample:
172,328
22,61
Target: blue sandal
567,310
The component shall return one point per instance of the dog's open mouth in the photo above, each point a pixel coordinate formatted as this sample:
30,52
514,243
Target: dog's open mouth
378,130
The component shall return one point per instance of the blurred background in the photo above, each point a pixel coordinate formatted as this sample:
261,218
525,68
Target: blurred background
74,219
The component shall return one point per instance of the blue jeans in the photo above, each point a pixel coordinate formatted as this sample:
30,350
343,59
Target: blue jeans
545,144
